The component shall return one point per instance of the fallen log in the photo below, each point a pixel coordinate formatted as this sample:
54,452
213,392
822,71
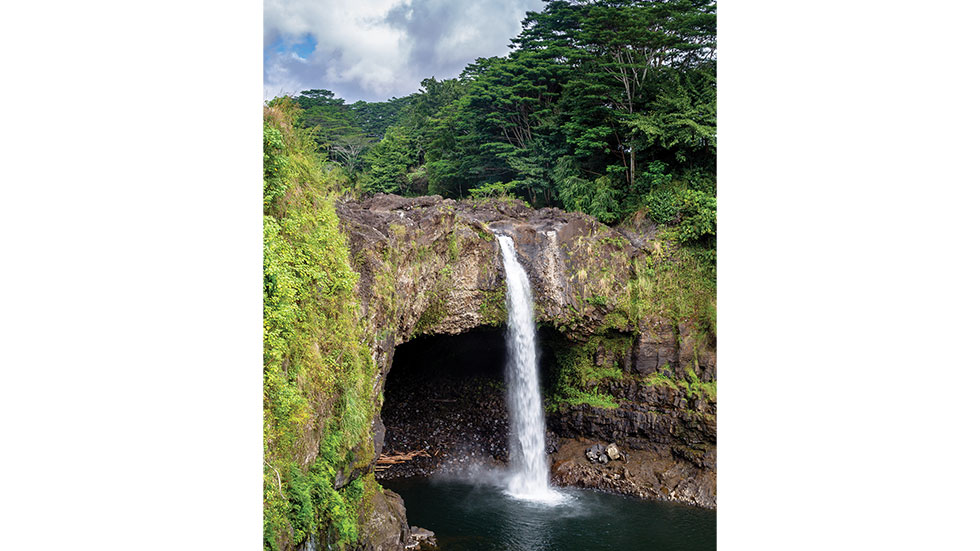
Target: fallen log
386,461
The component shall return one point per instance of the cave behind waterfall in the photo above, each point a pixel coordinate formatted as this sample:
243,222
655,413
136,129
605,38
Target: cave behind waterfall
444,397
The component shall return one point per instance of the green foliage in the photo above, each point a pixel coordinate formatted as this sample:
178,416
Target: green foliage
677,284
313,348
655,176
691,384
682,116
579,376
599,198
660,197
274,165
493,190
661,204
300,505
595,108
698,212
390,161
374,118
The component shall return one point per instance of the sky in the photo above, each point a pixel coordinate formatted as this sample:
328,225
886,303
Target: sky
374,50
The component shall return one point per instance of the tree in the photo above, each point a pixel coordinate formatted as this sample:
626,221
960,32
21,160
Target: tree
683,114
630,42
348,149
373,118
602,106
390,161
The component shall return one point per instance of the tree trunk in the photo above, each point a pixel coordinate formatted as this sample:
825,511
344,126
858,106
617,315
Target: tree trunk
632,174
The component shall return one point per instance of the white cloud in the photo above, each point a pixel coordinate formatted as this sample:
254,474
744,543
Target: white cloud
376,49
354,47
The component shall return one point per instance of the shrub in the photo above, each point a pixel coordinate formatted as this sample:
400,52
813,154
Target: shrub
661,205
697,210
274,165
494,189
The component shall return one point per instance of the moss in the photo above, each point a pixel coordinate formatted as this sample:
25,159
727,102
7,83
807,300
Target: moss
614,241
493,306
452,247
673,283
438,298
485,234
397,230
579,376
617,320
597,300
430,317
574,397
693,387
660,379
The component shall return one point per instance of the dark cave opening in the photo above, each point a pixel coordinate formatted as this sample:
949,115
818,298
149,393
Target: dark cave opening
444,401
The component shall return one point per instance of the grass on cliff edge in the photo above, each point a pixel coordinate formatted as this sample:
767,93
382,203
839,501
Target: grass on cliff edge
677,283
317,406
578,377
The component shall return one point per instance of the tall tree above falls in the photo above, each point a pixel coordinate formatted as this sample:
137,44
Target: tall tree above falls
603,106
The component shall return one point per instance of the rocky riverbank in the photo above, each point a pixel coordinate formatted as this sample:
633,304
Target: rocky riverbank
639,473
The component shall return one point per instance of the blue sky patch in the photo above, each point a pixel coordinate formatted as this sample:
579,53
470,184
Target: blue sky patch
302,47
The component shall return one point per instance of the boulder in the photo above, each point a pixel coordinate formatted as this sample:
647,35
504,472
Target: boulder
422,539
594,452
612,451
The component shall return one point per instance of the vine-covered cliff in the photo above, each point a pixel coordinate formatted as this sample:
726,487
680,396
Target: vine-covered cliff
628,314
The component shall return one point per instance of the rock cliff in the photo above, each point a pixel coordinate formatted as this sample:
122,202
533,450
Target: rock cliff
631,333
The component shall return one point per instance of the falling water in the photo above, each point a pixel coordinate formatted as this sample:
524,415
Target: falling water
529,473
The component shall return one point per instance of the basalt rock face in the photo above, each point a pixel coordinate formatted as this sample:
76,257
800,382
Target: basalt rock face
384,525
668,436
431,266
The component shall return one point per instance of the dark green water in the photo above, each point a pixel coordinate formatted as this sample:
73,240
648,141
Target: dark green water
470,517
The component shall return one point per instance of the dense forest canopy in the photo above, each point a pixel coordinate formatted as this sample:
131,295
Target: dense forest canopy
606,107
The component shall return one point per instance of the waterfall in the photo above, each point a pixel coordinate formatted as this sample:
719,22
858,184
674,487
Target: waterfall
529,472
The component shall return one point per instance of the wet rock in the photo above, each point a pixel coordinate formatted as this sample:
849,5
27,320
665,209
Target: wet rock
593,453
550,442
420,538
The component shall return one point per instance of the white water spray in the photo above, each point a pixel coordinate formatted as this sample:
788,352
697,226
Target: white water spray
529,472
